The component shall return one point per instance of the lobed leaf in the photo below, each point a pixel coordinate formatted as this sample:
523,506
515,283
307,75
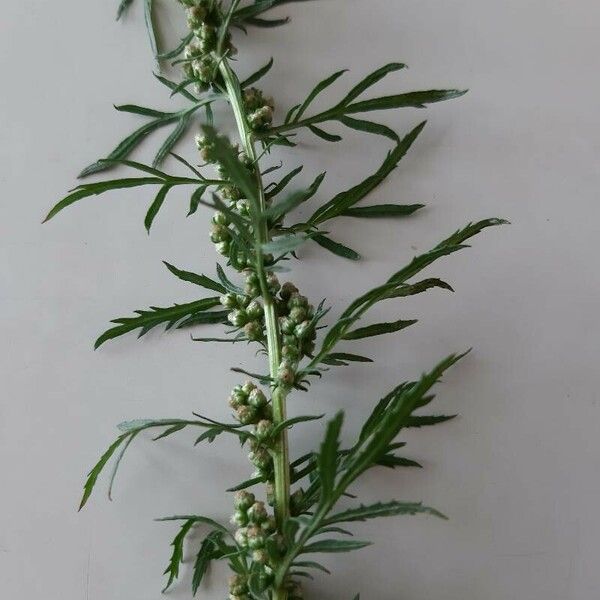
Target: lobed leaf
201,280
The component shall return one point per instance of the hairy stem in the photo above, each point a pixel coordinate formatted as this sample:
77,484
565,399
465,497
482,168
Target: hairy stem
281,456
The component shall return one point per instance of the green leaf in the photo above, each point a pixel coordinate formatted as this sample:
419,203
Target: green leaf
151,26
321,86
144,111
177,556
148,319
279,187
123,6
283,244
324,135
172,86
381,509
129,143
426,420
95,189
336,247
92,477
196,198
341,359
177,50
156,206
378,329
289,423
172,139
347,199
204,557
410,99
328,456
256,76
382,210
330,546
201,280
369,127
371,80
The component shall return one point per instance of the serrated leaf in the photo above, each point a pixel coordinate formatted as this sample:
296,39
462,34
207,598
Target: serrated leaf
347,199
92,477
378,329
156,206
148,319
332,546
201,280
177,555
381,509
382,210
335,247
129,143
204,557
95,189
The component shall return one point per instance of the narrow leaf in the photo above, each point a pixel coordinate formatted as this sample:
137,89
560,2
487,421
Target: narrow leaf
335,247
369,127
426,420
378,329
382,210
371,80
322,85
324,135
329,546
156,206
381,509
256,76
328,456
201,280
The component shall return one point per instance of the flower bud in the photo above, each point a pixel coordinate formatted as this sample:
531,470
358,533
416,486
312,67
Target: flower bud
242,207
253,331
228,300
239,518
273,283
254,310
291,353
257,398
297,300
243,500
237,398
248,387
238,317
257,513
241,537
285,373
269,525
302,330
219,233
260,556
242,300
261,458
298,314
287,289
220,218
286,325
246,415
195,17
223,248
263,429
256,537
238,584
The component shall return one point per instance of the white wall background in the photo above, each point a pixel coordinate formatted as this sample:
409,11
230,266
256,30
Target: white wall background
518,473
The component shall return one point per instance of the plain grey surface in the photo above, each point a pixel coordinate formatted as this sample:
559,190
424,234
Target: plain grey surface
517,473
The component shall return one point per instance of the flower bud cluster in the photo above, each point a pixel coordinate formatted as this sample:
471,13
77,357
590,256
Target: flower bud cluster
250,404
204,19
259,108
297,329
257,534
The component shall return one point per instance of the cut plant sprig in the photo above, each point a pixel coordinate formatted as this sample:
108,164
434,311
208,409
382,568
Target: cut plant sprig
251,230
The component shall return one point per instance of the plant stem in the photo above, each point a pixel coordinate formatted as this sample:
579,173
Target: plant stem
281,464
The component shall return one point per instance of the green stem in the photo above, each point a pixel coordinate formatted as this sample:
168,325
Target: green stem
280,455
